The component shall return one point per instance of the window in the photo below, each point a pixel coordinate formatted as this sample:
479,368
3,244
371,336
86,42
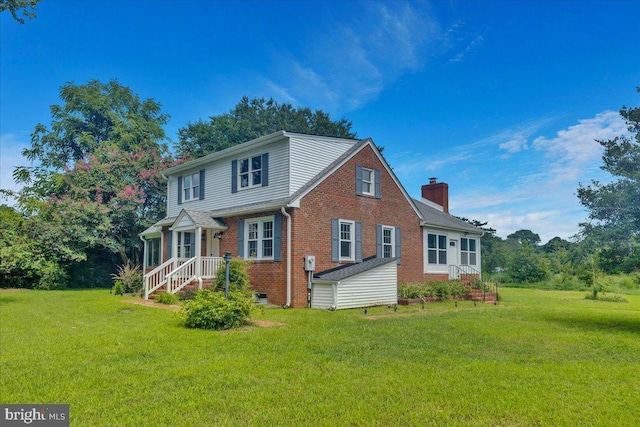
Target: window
153,252
260,238
387,242
468,251
346,240
437,248
250,172
367,182
191,187
186,243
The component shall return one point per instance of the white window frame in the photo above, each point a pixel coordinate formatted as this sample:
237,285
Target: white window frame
182,246
190,191
468,256
368,185
250,172
262,232
351,240
391,244
439,250
154,251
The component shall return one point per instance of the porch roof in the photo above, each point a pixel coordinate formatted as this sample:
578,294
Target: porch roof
194,218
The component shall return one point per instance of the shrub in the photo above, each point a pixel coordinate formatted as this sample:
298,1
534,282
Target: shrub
165,298
238,276
186,294
210,310
117,288
131,277
53,276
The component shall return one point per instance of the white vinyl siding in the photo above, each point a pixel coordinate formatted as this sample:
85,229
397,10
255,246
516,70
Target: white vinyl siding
218,181
310,156
378,286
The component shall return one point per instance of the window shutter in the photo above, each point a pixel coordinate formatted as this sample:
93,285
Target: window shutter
201,184
376,175
277,237
179,190
169,243
398,245
265,169
234,176
379,253
358,180
358,241
241,238
335,240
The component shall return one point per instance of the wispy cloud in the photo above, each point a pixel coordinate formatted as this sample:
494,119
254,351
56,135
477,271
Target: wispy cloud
347,64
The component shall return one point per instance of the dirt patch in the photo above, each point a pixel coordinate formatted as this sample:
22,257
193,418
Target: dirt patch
151,303
14,290
252,322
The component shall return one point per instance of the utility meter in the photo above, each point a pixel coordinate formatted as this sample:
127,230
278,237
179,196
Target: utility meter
309,263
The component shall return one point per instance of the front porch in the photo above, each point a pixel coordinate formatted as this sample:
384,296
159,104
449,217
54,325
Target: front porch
176,273
188,245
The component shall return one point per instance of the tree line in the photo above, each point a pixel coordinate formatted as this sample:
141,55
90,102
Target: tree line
94,183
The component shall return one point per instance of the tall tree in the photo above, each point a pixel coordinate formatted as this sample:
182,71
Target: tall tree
525,236
253,118
614,208
27,7
95,173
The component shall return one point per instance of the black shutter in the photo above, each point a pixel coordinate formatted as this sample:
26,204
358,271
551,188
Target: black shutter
234,176
358,180
277,237
335,240
358,241
241,238
179,190
398,245
201,184
265,169
379,252
376,175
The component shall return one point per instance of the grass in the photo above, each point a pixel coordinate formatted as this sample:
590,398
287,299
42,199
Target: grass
540,358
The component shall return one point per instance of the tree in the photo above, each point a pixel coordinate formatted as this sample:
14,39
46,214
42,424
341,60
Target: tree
614,208
525,236
253,118
94,183
28,8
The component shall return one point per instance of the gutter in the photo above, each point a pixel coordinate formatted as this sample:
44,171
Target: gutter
284,212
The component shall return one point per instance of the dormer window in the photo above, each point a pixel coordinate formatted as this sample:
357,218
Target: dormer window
251,172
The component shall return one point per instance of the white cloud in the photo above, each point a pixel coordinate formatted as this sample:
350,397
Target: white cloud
347,64
575,149
515,145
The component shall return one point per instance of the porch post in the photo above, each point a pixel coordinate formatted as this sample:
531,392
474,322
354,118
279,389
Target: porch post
174,248
199,252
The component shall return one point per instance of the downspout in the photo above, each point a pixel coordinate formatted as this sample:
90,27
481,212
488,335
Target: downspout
284,212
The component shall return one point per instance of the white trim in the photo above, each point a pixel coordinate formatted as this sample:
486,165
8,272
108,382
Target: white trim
259,237
371,182
352,240
393,240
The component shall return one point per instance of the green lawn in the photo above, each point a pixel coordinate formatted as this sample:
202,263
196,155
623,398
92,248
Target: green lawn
539,358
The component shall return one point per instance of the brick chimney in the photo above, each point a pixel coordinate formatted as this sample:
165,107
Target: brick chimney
438,193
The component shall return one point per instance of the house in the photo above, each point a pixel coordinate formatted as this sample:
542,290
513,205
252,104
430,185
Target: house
320,218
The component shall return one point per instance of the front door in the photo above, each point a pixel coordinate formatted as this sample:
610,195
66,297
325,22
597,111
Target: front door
452,258
213,244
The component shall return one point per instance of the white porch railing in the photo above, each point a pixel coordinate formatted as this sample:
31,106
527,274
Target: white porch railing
176,273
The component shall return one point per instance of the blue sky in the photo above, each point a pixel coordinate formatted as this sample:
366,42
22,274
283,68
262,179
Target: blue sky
502,100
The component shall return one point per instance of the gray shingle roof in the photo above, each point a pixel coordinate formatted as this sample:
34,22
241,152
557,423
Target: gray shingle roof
348,270
204,219
433,216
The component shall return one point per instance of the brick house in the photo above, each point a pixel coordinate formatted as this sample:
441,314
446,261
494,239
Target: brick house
320,217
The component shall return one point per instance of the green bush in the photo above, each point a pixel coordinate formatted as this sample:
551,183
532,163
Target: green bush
442,290
238,276
53,276
117,288
414,290
210,310
165,298
131,277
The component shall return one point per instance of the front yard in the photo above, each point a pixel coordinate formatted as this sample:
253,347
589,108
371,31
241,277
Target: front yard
538,358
